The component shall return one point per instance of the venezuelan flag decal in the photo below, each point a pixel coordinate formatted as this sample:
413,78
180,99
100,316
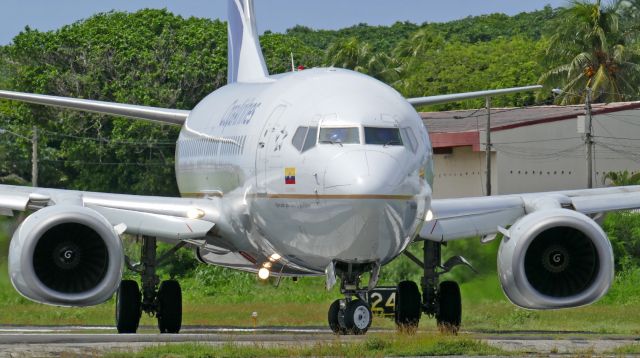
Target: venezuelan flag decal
289,176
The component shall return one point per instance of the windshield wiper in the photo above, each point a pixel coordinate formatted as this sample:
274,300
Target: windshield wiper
392,142
330,142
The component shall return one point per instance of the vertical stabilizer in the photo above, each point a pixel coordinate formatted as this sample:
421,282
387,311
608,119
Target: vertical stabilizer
246,63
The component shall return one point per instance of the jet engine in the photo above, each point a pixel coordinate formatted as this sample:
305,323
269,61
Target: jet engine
555,258
66,255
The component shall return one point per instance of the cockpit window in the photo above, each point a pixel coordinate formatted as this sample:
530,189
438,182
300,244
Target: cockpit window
382,136
411,138
304,138
339,135
310,140
298,138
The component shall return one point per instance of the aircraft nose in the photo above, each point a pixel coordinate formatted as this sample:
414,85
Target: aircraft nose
363,173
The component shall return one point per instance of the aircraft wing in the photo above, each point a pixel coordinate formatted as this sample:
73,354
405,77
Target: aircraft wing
169,219
163,115
421,101
453,219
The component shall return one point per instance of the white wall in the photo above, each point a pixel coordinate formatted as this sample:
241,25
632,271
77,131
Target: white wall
542,157
461,173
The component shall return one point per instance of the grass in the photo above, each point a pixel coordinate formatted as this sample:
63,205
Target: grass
305,304
226,298
375,345
627,349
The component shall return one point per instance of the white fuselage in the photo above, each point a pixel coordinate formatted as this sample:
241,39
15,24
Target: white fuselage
314,198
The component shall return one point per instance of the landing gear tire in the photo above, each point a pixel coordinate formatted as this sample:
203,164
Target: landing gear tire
334,318
357,317
450,307
169,307
408,306
128,307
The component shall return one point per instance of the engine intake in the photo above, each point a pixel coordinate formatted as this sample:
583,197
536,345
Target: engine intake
555,258
66,255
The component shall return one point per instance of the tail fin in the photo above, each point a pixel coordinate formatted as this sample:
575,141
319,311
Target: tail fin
246,62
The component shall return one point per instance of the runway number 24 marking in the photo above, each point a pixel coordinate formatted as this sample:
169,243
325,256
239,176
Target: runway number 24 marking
383,300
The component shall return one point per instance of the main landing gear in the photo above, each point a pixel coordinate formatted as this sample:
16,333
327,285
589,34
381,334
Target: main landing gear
440,300
162,299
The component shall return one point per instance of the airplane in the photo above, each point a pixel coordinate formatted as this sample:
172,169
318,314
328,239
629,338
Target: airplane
319,172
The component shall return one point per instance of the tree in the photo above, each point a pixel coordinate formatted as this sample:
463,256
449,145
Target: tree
590,49
278,49
356,55
461,67
622,178
349,53
150,57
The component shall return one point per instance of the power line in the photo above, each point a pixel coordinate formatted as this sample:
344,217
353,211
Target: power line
538,140
81,162
110,141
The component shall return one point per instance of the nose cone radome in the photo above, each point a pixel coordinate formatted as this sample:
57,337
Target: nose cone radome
363,173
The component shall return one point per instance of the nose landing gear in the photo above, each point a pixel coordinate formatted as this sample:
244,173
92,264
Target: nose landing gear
439,300
351,315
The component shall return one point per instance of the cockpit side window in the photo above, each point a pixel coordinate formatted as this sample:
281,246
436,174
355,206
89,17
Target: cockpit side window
304,138
382,136
298,137
411,138
310,139
341,135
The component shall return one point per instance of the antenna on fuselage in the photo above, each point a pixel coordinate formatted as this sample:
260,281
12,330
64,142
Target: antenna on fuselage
293,64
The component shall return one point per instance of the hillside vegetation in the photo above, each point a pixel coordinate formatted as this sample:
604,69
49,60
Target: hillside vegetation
153,57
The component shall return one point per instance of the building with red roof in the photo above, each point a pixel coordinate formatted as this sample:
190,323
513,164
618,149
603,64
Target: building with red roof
533,149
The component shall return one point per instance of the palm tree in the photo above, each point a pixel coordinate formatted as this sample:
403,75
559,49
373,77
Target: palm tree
419,44
412,52
349,53
593,50
355,55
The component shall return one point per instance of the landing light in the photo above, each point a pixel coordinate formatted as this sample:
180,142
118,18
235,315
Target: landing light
429,216
195,213
263,273
275,257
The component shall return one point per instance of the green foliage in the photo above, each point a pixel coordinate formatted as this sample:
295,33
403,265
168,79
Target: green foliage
215,280
375,345
623,229
278,49
592,48
381,38
150,57
460,67
532,25
621,178
180,264
625,289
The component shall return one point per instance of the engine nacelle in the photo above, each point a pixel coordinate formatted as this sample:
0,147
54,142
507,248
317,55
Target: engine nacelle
555,258
66,255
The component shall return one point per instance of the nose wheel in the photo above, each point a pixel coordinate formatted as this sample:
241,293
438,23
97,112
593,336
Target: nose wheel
352,317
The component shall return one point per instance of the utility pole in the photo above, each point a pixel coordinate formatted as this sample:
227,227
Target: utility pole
588,141
34,157
488,146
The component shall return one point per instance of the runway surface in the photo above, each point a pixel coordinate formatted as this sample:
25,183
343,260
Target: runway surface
94,340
